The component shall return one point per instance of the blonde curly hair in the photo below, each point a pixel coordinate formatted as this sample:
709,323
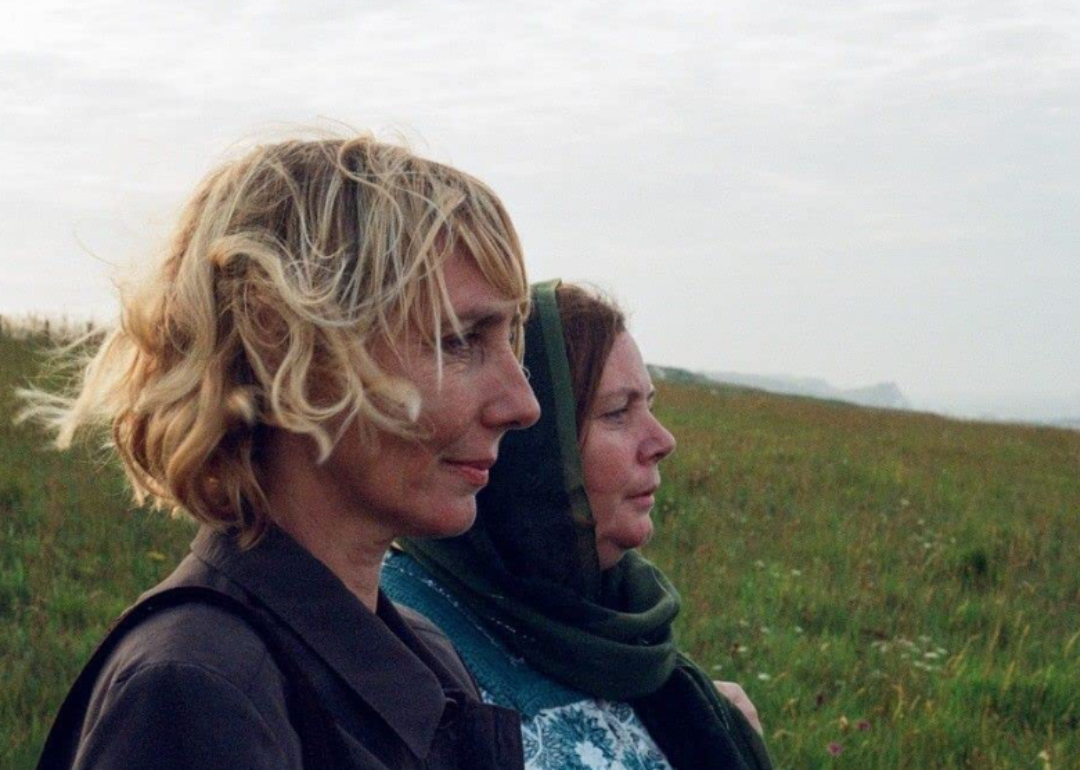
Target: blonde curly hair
287,264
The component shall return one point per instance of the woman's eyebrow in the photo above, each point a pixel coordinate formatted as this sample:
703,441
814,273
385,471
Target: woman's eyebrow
487,315
628,392
481,323
469,322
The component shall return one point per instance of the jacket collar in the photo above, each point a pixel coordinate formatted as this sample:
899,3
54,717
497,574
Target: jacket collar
376,654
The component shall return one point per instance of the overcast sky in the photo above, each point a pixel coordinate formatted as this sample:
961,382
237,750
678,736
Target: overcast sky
851,190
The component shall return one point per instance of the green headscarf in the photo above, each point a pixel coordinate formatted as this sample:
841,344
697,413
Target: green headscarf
529,569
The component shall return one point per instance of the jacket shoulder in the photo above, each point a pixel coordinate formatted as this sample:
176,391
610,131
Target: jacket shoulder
198,635
177,684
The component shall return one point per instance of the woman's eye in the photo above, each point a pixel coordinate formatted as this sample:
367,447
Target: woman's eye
616,414
454,344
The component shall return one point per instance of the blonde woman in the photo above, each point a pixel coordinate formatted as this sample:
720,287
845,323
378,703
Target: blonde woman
326,359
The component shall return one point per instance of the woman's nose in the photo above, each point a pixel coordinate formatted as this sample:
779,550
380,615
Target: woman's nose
660,443
515,406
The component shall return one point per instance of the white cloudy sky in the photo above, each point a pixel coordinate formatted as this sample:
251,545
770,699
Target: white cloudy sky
861,191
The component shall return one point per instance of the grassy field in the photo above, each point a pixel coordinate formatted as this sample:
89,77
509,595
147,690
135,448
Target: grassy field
893,590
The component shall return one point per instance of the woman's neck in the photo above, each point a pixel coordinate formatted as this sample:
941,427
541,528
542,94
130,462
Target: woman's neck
315,512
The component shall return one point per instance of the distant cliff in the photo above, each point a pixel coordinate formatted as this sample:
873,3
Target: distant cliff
885,395
675,374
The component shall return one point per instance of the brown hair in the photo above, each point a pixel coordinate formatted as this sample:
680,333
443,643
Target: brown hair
591,321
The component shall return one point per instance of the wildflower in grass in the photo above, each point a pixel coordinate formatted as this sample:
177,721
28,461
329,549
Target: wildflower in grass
796,572
862,725
763,676
759,564
799,630
844,723
835,748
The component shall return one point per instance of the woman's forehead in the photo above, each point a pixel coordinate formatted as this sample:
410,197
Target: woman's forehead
625,373
472,296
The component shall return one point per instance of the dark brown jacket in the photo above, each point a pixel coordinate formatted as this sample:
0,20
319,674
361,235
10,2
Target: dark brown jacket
196,686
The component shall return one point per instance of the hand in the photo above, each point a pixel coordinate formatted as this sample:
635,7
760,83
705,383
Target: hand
738,697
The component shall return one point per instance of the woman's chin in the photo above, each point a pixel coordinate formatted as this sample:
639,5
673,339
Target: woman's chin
611,550
639,534
454,526
451,520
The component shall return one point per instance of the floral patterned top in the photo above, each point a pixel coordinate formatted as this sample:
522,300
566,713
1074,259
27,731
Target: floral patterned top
561,728
591,734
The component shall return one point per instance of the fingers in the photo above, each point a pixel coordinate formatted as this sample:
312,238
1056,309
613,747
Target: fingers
738,697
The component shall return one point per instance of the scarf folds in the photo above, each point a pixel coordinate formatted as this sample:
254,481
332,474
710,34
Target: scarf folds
623,655
696,727
616,654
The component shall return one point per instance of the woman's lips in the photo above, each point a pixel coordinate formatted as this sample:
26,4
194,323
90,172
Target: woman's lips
475,472
645,499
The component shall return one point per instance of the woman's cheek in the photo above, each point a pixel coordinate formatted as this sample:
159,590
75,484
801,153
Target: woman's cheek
602,461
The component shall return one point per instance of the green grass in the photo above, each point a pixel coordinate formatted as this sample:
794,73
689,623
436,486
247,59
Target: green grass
902,586
73,554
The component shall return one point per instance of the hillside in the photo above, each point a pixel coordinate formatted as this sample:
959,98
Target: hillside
884,395
892,589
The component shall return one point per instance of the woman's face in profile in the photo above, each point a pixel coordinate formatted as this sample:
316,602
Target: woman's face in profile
427,487
624,444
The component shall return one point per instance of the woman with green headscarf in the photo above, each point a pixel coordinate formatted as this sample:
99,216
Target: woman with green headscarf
551,607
